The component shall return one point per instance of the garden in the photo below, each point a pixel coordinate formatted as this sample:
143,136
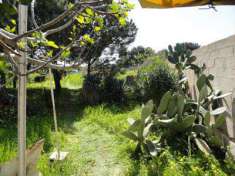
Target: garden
131,115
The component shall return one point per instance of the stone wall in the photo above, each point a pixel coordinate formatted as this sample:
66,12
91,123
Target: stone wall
219,58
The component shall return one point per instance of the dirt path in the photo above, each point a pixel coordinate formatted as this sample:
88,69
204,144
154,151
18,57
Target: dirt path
95,144
94,151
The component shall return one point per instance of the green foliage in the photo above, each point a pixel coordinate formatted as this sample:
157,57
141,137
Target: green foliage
97,88
181,51
154,79
111,38
197,126
91,90
140,129
52,44
112,90
37,128
8,11
92,135
122,75
120,9
181,119
3,70
136,56
172,163
26,2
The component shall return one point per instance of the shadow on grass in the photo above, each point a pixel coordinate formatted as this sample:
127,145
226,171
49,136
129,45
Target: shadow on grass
39,118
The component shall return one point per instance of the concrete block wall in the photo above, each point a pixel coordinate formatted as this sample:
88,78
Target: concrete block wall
219,58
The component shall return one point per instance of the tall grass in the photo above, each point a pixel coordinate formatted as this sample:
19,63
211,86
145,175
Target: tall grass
37,128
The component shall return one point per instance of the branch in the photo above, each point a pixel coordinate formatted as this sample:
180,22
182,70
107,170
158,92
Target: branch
5,37
13,63
59,18
33,14
60,28
50,65
12,39
11,35
44,64
8,49
10,58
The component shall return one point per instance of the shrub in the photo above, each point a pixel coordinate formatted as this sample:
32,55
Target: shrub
97,89
91,90
154,79
112,90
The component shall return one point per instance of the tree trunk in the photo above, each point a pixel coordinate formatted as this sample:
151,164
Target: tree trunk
88,69
57,77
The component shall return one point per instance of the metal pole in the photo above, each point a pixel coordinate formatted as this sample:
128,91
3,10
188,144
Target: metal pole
22,64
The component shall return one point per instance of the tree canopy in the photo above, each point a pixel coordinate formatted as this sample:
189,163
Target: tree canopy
135,56
84,21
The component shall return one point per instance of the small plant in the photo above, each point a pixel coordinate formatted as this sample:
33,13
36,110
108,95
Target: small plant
139,131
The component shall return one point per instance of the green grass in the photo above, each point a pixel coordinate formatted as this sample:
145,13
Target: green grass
37,128
96,146
93,137
70,81
73,81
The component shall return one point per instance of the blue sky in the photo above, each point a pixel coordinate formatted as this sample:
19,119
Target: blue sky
160,27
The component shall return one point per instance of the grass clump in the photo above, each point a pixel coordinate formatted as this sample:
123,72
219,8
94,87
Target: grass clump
37,128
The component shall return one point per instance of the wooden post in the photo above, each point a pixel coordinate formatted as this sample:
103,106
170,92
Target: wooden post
54,114
22,64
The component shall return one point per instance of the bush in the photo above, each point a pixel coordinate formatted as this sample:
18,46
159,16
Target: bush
154,79
112,90
91,90
97,89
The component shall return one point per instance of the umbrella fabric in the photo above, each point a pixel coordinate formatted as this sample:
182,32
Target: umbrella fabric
182,3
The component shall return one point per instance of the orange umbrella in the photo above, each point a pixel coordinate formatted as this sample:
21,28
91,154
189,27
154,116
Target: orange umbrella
182,3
